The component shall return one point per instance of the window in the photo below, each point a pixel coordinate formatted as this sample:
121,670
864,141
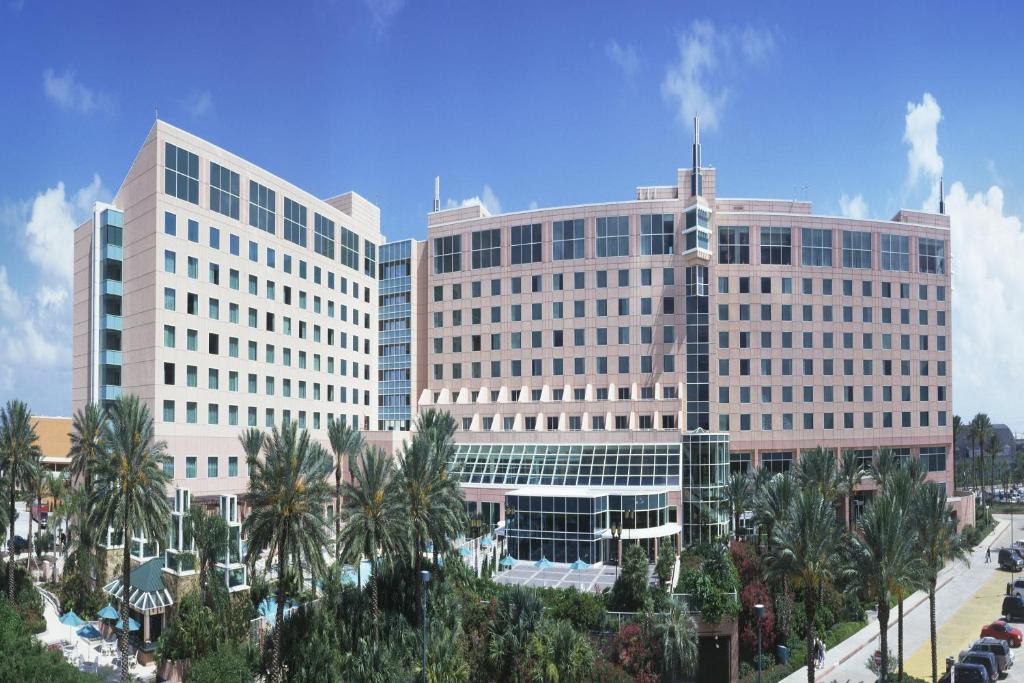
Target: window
447,254
323,236
369,262
816,247
613,236
224,191
262,207
181,173
896,253
211,467
931,255
856,249
169,336
776,244
349,249
525,243
657,234
567,240
934,458
294,222
734,244
191,467
486,246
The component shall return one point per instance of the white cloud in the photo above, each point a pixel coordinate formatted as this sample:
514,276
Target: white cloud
853,207
486,199
624,56
382,12
199,103
921,133
695,84
533,205
67,93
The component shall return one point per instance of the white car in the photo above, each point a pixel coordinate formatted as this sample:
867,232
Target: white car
1016,588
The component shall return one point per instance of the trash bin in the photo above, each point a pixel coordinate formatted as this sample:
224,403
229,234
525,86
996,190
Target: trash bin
782,654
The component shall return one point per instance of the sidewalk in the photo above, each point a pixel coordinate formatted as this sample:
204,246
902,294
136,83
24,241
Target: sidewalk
957,584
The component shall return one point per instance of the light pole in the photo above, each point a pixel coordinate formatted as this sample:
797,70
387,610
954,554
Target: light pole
617,535
476,545
759,613
425,578
510,513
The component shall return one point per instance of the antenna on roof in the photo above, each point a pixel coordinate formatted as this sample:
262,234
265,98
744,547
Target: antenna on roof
156,113
696,186
942,198
437,193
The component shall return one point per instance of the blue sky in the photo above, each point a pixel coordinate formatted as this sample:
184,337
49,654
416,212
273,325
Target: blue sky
552,103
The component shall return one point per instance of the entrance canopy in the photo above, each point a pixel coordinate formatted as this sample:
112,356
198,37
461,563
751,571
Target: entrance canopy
148,593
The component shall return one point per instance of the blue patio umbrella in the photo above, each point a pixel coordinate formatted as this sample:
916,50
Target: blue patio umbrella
108,612
579,565
487,542
508,562
89,632
71,619
542,563
348,576
132,624
465,551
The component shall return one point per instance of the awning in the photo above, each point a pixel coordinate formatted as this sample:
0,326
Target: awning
651,532
148,593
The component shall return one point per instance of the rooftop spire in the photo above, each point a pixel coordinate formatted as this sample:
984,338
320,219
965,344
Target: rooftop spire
437,193
696,184
942,197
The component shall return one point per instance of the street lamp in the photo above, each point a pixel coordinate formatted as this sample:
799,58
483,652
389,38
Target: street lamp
617,535
759,613
510,513
476,523
425,578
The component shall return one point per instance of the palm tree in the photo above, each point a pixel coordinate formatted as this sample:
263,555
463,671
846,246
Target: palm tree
375,518
19,461
937,543
676,633
346,442
738,493
210,535
434,501
519,612
992,448
80,553
979,429
806,552
773,505
958,424
851,473
130,492
439,427
88,446
817,469
558,652
288,492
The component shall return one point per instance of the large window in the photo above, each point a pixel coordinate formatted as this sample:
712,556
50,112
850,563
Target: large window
856,249
613,236
323,236
816,247
734,244
294,222
181,173
487,248
934,458
931,255
349,248
447,254
776,246
567,240
370,258
525,243
777,461
657,234
262,207
896,252
223,191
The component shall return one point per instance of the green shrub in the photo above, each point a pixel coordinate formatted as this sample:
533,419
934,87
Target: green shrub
585,611
25,659
226,663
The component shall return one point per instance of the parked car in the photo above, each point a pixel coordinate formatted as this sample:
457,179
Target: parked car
1002,651
967,673
1010,560
986,659
1016,588
1003,631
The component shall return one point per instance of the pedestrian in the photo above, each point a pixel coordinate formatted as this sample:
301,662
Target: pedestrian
988,554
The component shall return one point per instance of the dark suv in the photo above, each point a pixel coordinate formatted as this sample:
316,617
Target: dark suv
1010,560
967,673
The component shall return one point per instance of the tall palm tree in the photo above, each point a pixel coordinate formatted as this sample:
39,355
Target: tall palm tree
251,440
210,534
375,518
806,553
738,493
676,634
851,473
979,429
884,465
288,492
937,543
958,424
434,501
88,446
80,553
130,489
817,469
439,426
346,442
773,506
20,463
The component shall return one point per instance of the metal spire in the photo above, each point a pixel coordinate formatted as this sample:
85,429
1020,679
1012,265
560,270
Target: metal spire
942,197
696,186
437,193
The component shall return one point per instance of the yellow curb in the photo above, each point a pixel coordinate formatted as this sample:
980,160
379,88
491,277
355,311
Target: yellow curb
963,627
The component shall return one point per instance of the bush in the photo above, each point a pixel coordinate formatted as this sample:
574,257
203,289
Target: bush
753,594
226,663
629,593
25,659
665,564
585,611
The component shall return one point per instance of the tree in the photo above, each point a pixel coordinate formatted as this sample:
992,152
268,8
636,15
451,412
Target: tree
88,441
806,553
773,504
901,487
630,591
226,663
676,636
979,429
937,543
346,442
958,424
20,463
992,449
288,492
665,563
130,492
210,535
851,473
739,493
559,653
518,613
882,555
817,469
375,518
